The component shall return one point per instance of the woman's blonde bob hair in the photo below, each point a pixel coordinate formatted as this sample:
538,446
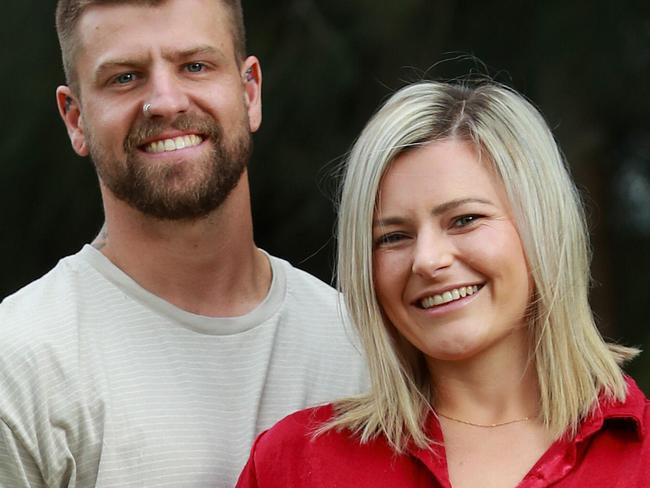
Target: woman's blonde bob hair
573,363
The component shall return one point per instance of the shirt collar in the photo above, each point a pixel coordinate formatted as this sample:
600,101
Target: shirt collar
434,456
630,412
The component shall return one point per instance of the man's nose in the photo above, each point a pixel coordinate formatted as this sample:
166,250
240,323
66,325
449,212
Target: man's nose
167,96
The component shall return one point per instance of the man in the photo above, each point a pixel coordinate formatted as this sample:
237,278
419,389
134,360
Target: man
155,360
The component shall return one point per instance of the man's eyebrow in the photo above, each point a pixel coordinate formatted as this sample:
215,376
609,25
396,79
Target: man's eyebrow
117,64
437,210
194,51
139,61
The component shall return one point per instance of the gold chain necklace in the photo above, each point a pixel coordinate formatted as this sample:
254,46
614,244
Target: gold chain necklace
486,426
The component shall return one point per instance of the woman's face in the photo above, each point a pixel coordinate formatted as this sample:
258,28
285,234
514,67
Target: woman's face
449,267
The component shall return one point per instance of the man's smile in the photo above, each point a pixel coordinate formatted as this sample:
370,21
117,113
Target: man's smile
173,144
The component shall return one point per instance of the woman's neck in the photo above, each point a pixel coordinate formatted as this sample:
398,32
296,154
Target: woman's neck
498,385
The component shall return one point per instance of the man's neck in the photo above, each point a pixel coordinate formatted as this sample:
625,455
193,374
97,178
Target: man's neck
209,266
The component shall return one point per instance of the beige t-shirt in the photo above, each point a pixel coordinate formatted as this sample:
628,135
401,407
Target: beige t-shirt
104,384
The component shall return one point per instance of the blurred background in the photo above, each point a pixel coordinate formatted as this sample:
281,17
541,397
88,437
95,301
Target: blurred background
327,65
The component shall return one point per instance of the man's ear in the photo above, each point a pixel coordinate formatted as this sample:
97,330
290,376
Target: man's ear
252,79
70,112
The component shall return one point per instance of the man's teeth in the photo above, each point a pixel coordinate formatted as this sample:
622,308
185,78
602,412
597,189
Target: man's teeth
167,145
448,296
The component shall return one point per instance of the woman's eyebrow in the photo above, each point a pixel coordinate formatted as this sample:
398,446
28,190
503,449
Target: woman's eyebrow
437,210
450,205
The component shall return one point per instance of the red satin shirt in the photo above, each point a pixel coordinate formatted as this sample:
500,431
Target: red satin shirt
612,450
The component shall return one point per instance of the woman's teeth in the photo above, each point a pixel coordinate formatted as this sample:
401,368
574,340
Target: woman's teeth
448,296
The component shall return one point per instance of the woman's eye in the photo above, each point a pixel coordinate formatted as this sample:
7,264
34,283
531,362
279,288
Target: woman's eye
195,67
464,220
388,239
124,78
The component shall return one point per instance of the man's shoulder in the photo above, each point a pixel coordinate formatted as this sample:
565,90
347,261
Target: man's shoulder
312,306
314,315
51,288
39,353
40,309
302,282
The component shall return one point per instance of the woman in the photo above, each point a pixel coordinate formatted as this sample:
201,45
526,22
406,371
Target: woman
463,261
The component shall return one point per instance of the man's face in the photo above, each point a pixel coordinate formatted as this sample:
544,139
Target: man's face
181,158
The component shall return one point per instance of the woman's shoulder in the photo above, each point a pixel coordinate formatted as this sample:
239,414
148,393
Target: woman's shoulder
305,434
636,404
299,451
296,430
286,454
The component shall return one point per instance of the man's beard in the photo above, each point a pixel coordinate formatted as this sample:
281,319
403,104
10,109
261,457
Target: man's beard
180,190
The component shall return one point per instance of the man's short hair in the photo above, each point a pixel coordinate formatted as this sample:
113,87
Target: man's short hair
68,13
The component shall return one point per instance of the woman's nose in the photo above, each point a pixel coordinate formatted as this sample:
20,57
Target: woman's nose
432,254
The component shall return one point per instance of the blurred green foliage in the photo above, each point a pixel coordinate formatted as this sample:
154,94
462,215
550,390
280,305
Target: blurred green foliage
327,65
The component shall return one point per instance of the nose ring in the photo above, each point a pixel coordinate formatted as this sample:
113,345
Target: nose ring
146,109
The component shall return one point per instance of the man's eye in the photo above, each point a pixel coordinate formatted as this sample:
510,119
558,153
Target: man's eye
195,67
125,78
